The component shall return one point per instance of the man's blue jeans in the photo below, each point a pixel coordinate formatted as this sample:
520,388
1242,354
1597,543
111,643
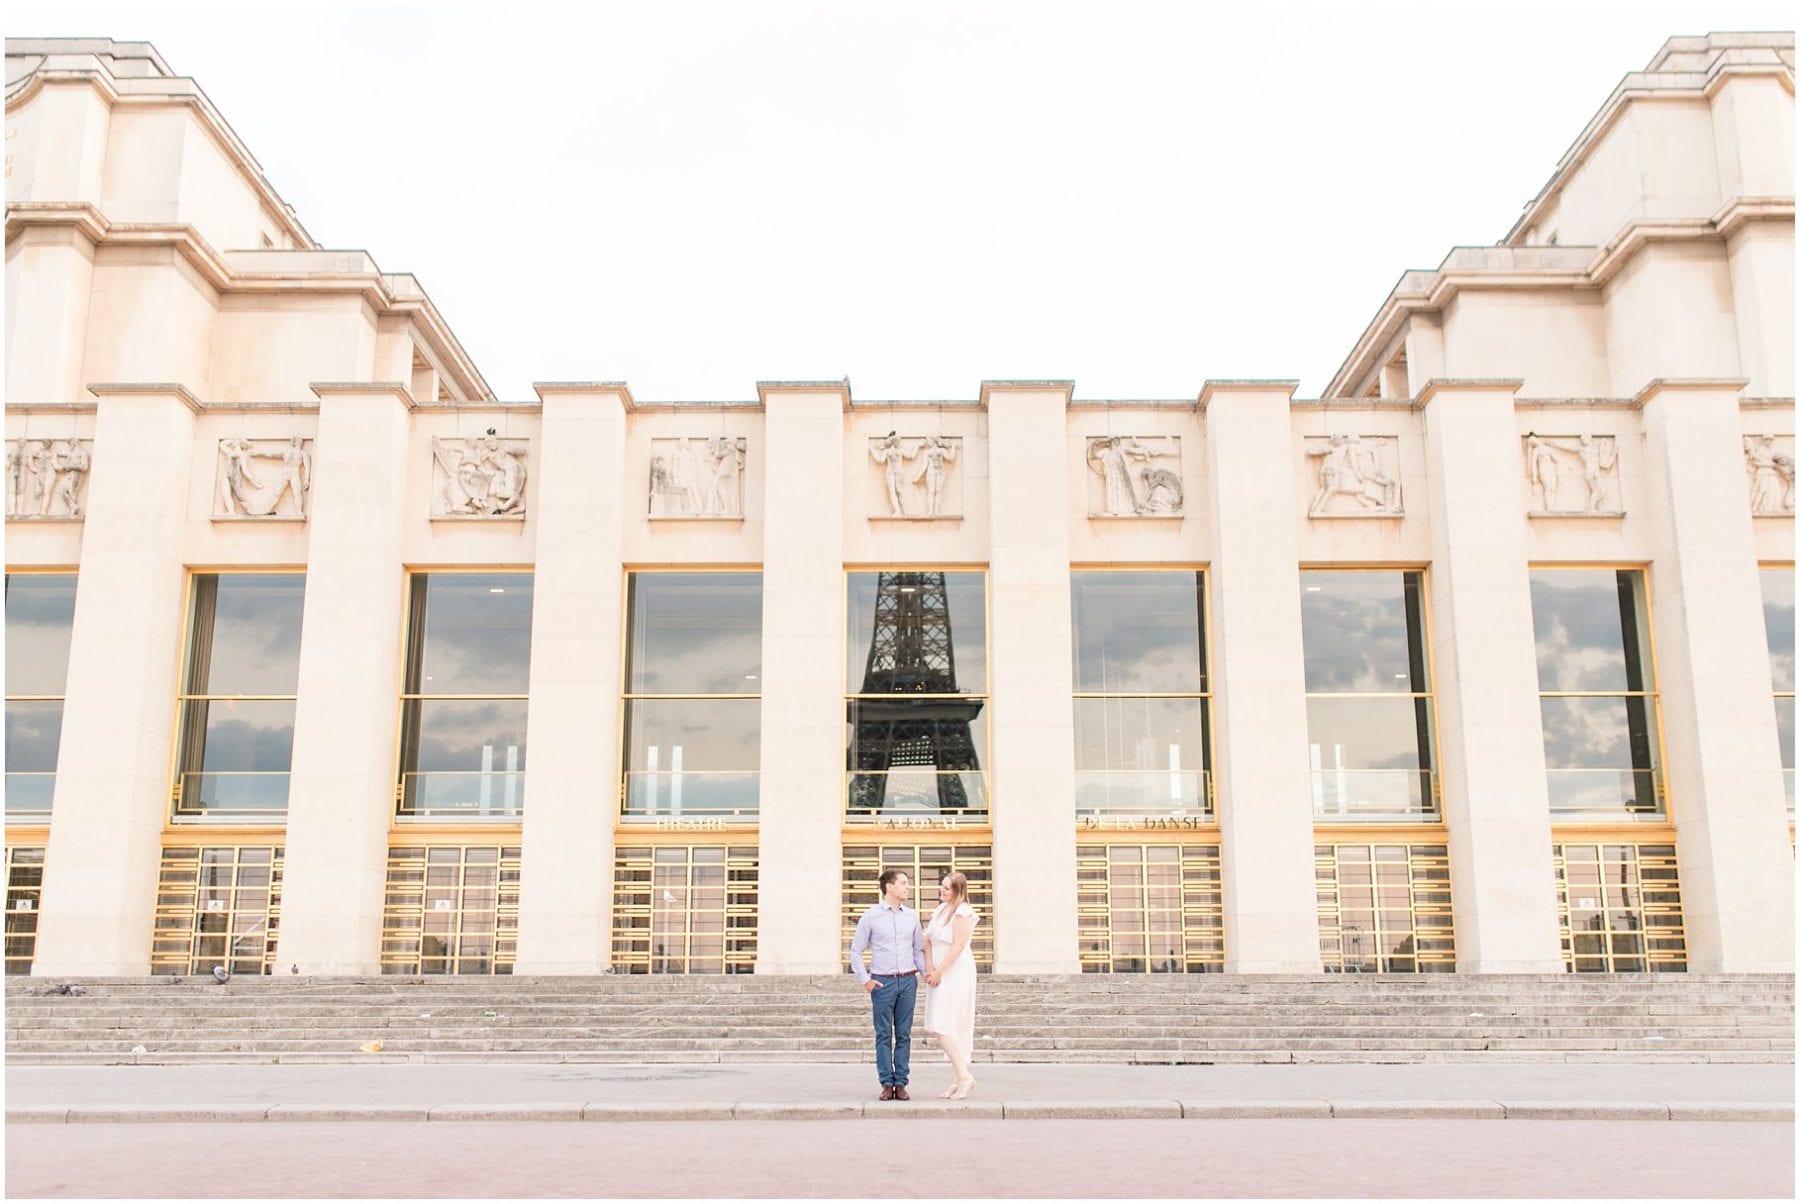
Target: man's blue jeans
893,1003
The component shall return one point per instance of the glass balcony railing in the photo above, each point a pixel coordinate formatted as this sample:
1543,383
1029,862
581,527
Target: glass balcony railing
255,797
1607,794
1128,794
1373,795
468,795
655,796
925,794
28,796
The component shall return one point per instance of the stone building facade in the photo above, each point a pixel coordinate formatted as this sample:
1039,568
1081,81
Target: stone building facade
1483,662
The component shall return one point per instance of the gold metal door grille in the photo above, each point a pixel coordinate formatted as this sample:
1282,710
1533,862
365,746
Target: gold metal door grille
684,909
1150,908
451,909
1384,908
925,864
24,890
217,905
1618,908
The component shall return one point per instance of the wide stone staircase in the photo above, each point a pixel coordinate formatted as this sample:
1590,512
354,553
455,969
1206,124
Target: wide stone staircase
1019,1018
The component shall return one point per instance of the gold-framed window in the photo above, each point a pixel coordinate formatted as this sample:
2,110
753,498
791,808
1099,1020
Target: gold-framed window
40,617
1384,908
684,909
1143,693
1150,908
691,704
925,865
240,678
916,696
1778,623
465,697
24,895
451,909
1370,713
1597,693
217,905
1618,907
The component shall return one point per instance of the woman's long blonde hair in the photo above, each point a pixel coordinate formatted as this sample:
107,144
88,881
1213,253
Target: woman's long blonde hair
959,891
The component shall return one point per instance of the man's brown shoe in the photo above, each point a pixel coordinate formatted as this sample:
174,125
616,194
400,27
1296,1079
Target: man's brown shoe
900,1093
887,1093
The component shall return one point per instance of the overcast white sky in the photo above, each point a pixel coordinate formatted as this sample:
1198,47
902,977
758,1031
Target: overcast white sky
692,199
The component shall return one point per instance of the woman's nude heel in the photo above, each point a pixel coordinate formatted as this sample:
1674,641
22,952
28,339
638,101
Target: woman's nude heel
961,1090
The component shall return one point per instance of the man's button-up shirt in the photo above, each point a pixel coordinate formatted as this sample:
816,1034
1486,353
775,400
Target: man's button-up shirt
894,939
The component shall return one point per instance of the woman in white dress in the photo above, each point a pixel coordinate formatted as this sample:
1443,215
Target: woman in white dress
950,975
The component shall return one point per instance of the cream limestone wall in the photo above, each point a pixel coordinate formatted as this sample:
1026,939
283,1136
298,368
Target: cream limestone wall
1774,536
270,347
1668,314
572,761
1260,744
49,280
1396,541
150,318
1554,341
1578,539
112,781
801,853
341,800
1032,724
429,543
1162,539
1761,258
726,541
1724,771
1753,129
1490,735
871,536
60,147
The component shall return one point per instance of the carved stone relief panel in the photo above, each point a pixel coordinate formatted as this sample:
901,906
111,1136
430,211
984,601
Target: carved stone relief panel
1769,460
1355,476
1572,475
1135,476
263,478
697,478
47,478
479,477
921,476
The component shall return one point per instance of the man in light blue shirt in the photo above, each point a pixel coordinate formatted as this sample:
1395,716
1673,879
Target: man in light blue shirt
890,932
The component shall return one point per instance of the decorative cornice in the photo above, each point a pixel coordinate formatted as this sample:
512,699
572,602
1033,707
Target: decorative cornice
1450,384
583,388
990,387
178,391
1211,388
1696,384
767,388
52,407
374,388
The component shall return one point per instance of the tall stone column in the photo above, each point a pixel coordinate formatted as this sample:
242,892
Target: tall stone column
1724,764
112,768
346,719
1496,796
1033,718
572,773
1264,791
799,862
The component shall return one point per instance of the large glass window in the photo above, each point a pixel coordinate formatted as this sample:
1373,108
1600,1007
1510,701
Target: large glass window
1142,696
1618,908
1368,694
468,676
237,700
1778,621
1385,909
451,909
1597,692
217,906
915,687
693,696
1150,908
680,909
40,611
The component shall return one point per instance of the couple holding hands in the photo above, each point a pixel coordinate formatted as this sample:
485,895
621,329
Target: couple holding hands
901,951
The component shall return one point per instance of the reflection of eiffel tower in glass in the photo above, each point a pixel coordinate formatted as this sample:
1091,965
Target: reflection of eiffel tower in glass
911,653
